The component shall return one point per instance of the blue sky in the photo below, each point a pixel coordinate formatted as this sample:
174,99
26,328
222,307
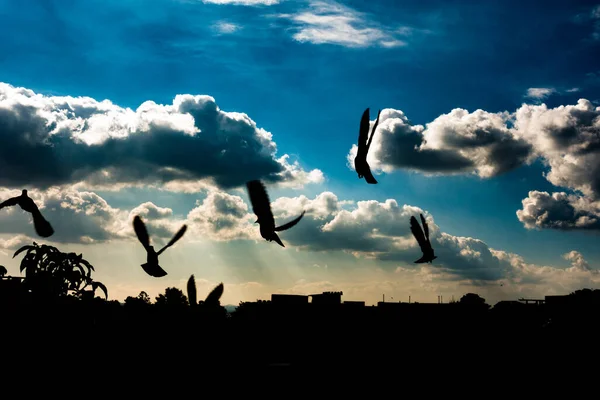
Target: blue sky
305,71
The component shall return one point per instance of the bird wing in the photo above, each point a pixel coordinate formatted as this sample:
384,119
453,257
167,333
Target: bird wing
13,201
373,131
191,290
140,230
261,204
363,133
215,294
177,236
425,227
290,224
417,232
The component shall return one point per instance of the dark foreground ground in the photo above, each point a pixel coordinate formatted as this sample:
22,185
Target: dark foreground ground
328,340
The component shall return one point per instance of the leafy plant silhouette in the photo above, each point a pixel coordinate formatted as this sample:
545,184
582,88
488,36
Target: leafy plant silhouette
50,272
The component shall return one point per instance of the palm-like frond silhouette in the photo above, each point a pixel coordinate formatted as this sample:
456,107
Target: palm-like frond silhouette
151,267
422,239
261,206
41,225
361,166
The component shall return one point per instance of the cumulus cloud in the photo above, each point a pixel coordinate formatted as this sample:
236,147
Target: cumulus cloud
57,140
77,217
370,229
565,138
540,93
562,211
455,143
8,246
380,230
577,261
533,278
83,217
329,22
223,217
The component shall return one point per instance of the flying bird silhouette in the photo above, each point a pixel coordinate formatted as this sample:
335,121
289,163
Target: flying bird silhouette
41,225
191,290
422,239
261,205
215,295
361,166
212,298
151,266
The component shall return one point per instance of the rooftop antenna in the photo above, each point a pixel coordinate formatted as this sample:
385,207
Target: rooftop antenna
409,299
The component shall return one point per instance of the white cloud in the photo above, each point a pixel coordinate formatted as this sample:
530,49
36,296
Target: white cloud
373,231
226,27
540,93
329,22
565,138
56,140
577,261
222,217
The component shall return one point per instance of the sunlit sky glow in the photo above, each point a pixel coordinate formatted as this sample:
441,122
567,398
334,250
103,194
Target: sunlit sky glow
490,126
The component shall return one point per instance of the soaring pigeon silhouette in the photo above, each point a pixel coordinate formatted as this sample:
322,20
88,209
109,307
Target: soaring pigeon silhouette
151,266
261,205
212,298
215,295
361,165
42,227
422,239
191,291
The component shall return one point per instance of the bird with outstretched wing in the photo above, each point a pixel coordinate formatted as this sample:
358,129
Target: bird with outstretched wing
361,166
41,225
261,206
422,239
213,297
151,267
191,291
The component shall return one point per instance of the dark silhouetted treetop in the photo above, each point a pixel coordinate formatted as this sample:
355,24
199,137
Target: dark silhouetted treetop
173,297
50,271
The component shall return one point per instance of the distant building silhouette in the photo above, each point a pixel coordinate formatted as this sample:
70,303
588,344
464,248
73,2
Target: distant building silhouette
327,298
288,299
